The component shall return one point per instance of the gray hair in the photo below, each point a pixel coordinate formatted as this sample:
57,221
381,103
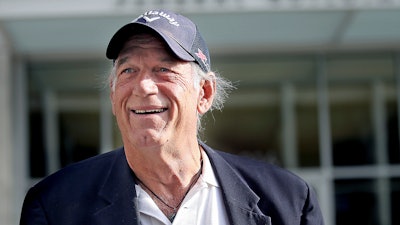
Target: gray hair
222,88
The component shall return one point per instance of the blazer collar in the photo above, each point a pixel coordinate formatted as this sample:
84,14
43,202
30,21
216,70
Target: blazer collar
118,193
240,200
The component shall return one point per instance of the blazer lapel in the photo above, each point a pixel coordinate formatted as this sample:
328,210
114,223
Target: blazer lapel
119,195
240,200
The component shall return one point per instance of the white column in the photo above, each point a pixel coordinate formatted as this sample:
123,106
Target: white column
326,194
7,212
289,131
379,120
51,131
21,139
106,123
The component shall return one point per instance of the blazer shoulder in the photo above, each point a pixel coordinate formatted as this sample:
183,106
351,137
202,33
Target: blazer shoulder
71,195
283,195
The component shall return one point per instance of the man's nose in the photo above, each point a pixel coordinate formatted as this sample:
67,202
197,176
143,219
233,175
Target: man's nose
145,86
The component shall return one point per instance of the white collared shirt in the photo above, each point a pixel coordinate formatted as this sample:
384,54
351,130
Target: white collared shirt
202,205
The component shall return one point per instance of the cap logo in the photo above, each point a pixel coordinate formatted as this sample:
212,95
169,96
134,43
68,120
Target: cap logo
149,20
201,55
149,17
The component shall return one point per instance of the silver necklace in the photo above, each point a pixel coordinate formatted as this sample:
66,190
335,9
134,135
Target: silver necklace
175,209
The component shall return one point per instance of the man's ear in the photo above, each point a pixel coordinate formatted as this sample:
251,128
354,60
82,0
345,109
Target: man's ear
206,95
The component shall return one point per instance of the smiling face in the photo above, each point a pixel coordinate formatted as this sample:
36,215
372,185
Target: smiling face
154,96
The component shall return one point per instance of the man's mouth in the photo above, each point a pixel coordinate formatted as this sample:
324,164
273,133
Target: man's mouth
149,111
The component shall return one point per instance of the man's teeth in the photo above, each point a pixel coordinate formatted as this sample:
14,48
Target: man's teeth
149,111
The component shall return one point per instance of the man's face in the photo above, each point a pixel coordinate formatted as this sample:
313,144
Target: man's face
155,99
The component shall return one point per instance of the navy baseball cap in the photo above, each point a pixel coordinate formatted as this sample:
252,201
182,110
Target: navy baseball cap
179,32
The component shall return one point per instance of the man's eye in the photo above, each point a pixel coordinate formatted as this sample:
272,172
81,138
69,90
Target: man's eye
127,70
163,70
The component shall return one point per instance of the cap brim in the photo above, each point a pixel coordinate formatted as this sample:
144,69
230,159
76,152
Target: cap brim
117,42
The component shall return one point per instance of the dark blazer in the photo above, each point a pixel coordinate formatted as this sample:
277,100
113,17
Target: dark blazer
101,190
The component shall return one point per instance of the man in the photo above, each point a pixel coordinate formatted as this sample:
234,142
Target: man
161,84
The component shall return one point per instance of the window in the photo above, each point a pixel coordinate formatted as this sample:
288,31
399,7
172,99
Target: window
64,114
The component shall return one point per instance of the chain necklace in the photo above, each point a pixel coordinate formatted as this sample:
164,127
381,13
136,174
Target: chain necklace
175,209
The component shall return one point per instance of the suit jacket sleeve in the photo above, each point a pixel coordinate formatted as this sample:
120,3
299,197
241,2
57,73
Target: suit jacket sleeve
311,211
32,210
